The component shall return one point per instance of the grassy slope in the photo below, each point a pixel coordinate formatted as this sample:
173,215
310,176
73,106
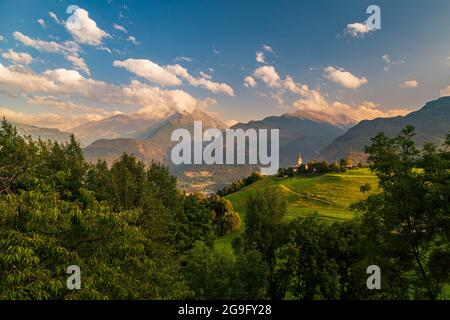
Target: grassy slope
328,195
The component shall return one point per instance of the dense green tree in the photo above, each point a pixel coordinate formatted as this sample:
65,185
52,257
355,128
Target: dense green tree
210,274
51,217
194,224
264,231
314,274
41,235
98,180
225,219
408,223
127,182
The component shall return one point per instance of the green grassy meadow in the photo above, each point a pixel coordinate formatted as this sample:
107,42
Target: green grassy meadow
329,196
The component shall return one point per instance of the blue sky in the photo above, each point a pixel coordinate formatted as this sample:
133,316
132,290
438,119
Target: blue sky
309,58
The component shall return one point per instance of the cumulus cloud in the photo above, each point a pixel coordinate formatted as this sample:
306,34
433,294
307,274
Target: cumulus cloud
69,49
208,84
268,75
18,57
55,18
267,48
41,23
272,79
120,28
249,82
170,75
344,78
313,100
66,84
409,84
78,63
205,75
83,29
356,30
65,105
149,70
157,101
388,62
133,40
260,57
2,38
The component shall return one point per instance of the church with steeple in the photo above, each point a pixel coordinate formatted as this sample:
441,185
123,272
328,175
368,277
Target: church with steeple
299,161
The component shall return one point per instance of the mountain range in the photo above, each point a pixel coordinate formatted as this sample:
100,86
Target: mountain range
115,127
432,123
151,142
315,135
42,133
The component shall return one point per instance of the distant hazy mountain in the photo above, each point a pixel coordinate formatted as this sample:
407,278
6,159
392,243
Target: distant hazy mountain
432,123
151,142
302,131
339,120
306,132
43,133
118,126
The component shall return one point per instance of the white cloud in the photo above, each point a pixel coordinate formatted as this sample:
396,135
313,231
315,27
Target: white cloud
64,105
63,84
133,40
249,82
268,75
55,18
205,75
41,23
20,80
1,38
149,70
260,57
170,75
314,100
69,49
18,57
356,30
155,101
388,62
103,48
120,28
83,29
409,84
78,63
212,86
267,48
182,58
344,78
